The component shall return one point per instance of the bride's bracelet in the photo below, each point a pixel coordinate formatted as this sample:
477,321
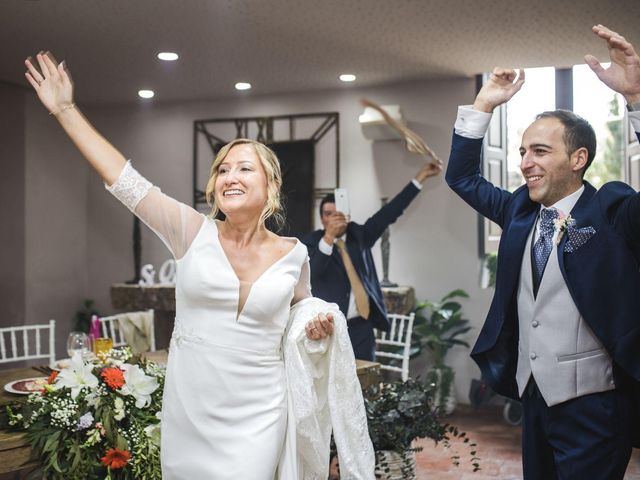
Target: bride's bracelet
62,109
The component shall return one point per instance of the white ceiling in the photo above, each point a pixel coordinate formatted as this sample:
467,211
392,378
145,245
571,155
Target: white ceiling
295,45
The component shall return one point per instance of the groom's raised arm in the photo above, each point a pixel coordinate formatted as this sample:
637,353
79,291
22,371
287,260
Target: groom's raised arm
464,175
622,76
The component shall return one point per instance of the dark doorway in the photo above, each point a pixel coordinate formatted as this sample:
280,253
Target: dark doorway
297,165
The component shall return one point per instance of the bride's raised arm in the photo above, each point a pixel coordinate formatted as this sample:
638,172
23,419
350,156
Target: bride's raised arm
54,87
174,222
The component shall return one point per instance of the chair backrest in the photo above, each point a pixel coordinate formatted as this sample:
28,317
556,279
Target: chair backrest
110,328
28,342
394,347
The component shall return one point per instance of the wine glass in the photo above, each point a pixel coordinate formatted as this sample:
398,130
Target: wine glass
78,342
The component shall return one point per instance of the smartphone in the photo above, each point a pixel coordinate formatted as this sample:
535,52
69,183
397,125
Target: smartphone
342,200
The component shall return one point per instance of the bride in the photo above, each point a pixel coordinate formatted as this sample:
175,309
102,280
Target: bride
259,372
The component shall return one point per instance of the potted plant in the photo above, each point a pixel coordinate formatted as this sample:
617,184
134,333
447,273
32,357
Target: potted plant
397,414
437,326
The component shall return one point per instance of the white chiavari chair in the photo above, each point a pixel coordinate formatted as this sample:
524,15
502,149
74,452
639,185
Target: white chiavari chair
399,339
110,328
28,342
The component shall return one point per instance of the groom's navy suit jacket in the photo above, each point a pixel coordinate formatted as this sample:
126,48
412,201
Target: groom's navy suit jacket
602,275
329,279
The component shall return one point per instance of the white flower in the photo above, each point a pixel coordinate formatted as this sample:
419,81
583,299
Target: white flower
138,385
153,431
153,434
92,399
14,419
118,409
562,224
76,376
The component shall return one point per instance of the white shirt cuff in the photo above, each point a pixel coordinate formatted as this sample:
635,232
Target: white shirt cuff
416,183
324,247
634,118
472,123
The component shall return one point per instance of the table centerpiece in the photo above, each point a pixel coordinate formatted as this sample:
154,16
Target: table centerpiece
96,418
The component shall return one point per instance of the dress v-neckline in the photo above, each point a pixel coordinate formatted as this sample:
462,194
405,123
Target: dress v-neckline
239,310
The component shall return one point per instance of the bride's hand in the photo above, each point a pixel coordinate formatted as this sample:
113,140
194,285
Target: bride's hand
51,81
320,327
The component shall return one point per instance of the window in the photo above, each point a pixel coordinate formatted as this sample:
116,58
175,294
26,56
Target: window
604,110
538,94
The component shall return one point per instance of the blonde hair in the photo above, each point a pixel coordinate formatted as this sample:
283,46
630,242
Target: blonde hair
270,164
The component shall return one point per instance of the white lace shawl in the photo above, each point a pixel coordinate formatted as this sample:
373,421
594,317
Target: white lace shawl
324,392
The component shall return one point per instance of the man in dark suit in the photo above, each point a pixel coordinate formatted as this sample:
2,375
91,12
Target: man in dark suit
563,331
342,267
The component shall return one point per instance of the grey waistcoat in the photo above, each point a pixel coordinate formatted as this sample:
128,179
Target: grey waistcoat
556,345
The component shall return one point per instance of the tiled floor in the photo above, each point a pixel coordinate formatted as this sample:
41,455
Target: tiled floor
498,449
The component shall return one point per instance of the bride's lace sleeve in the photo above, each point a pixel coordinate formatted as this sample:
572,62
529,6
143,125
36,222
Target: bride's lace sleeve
174,222
302,289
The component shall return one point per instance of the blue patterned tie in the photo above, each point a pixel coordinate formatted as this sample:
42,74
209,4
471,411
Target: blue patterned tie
543,246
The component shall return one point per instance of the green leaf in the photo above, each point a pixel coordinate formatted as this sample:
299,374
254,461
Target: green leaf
121,442
462,343
456,293
51,444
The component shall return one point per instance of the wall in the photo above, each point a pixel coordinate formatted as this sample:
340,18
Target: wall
12,205
43,214
56,189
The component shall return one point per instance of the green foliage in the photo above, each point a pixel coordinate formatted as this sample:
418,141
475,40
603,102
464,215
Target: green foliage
82,318
400,412
438,325
492,266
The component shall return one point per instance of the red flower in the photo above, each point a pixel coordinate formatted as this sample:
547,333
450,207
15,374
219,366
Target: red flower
116,458
113,377
52,377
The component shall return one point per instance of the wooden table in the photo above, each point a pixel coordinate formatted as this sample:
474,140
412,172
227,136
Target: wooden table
14,450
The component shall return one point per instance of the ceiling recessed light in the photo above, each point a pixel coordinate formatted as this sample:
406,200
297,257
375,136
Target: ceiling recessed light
243,86
348,77
146,93
168,56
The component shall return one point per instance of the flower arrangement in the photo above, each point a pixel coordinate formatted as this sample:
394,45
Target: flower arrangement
97,420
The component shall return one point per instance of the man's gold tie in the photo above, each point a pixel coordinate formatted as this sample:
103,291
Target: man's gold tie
359,293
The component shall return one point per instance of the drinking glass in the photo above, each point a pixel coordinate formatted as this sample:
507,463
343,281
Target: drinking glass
78,342
102,346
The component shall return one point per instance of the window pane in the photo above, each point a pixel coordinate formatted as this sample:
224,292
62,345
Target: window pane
538,95
604,110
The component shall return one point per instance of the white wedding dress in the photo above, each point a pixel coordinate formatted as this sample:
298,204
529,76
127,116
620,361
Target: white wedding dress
225,404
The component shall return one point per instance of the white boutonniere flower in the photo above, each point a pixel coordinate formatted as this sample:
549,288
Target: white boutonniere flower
562,224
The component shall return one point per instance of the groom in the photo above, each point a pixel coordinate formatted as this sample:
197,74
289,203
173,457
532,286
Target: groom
563,331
